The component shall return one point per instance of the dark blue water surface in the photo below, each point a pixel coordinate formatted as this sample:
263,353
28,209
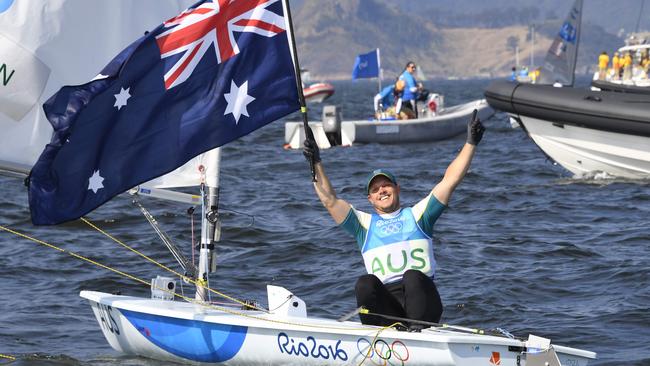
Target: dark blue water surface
523,245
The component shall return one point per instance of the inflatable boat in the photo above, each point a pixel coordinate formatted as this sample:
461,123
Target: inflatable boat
583,130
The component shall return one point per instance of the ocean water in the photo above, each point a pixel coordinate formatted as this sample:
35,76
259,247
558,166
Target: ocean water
523,245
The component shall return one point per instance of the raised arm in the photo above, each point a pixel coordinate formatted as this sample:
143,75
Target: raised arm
337,208
458,168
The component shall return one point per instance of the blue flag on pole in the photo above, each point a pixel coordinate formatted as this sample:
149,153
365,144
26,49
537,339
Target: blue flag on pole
366,65
214,73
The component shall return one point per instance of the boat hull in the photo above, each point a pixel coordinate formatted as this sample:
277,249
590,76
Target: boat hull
318,92
586,152
450,122
587,132
189,333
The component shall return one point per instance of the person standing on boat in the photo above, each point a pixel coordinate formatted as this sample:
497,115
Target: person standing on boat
396,243
616,65
603,62
627,66
409,99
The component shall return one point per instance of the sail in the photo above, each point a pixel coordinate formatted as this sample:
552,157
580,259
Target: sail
202,168
41,43
560,62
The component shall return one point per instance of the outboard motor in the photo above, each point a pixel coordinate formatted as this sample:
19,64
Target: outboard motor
332,124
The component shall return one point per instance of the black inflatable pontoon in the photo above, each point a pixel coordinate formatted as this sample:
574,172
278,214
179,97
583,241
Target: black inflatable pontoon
625,113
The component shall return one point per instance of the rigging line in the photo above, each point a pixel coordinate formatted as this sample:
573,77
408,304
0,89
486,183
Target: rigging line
441,326
190,300
190,271
370,347
190,212
284,302
190,280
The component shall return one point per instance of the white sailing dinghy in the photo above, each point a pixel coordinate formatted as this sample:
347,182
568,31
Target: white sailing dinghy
202,332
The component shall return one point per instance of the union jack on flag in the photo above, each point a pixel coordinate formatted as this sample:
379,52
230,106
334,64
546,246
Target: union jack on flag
191,33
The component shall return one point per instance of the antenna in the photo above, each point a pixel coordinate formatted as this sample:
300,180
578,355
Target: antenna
638,20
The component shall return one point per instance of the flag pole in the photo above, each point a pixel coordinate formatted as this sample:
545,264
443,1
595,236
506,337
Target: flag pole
378,70
301,96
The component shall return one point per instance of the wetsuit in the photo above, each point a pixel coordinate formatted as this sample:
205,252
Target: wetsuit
398,253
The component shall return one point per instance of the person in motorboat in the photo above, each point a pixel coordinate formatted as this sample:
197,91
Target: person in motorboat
409,99
396,243
603,63
388,102
644,63
627,66
523,75
616,66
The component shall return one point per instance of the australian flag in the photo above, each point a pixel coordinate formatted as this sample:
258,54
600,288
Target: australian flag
217,71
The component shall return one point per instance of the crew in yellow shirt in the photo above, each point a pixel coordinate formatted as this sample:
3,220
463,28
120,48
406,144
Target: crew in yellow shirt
603,61
627,66
616,66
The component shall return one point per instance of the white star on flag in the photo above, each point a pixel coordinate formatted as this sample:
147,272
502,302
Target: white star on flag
95,182
121,98
238,99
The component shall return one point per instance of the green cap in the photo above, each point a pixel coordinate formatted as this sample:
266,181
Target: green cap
377,172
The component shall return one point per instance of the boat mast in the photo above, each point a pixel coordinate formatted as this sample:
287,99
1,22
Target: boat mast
578,26
210,223
532,47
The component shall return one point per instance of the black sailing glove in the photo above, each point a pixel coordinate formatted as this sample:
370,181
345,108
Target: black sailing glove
310,151
475,130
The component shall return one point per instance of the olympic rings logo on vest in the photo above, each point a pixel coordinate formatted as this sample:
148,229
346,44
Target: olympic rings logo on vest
392,228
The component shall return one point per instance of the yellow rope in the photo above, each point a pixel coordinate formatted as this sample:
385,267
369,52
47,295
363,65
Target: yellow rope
199,282
7,357
371,346
225,310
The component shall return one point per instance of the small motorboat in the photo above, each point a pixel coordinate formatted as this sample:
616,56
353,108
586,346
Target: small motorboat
437,122
318,92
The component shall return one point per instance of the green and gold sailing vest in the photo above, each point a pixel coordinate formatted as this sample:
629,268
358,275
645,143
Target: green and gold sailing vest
396,244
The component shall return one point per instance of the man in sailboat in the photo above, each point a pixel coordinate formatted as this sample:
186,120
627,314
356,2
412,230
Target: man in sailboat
396,243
